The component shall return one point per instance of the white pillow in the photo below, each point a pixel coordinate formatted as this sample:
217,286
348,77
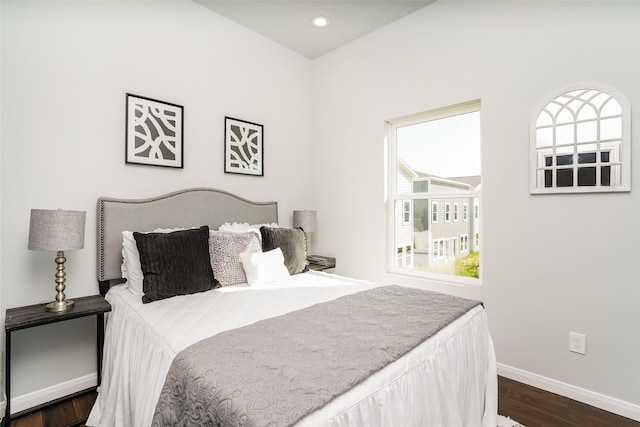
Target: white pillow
264,267
131,268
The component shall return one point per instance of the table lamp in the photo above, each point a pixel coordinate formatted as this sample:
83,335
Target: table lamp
57,230
307,221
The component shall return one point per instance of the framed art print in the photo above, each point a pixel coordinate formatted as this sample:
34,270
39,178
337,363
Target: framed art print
243,152
154,132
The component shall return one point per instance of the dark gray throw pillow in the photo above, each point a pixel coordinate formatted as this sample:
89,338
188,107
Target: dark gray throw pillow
175,263
293,244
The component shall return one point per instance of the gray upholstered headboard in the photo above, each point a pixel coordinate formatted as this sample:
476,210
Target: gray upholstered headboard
186,208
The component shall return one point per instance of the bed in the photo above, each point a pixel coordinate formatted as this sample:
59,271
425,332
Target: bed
283,327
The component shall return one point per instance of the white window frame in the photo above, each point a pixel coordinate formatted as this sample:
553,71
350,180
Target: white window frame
465,211
447,212
455,212
393,196
619,148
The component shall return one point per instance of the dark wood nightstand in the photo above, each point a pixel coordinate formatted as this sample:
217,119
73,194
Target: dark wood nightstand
322,263
35,315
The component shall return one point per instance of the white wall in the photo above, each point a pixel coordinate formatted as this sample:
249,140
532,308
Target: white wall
550,264
66,67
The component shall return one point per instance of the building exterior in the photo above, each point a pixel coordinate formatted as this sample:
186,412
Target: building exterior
445,225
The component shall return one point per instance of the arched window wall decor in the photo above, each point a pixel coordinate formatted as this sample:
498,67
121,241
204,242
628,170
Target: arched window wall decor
580,142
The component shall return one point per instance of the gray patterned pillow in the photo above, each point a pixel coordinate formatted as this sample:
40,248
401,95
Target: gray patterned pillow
225,248
292,242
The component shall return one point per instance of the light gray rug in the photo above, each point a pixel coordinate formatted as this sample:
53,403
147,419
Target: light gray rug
508,422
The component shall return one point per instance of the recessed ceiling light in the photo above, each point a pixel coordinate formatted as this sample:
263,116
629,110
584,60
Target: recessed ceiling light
320,21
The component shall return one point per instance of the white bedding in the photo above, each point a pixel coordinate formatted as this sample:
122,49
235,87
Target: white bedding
449,380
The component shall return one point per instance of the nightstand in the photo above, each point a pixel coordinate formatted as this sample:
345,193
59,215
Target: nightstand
321,262
35,315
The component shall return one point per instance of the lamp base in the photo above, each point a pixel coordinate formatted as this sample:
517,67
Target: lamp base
57,306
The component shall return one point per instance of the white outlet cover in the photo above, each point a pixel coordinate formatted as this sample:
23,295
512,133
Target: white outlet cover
577,342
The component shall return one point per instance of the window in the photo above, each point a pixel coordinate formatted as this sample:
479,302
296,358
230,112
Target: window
435,163
406,212
440,250
434,212
464,243
580,142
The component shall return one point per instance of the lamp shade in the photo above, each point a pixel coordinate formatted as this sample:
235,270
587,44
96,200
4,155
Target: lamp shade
305,220
56,230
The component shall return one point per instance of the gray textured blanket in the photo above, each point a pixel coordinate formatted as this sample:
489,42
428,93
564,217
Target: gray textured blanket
276,371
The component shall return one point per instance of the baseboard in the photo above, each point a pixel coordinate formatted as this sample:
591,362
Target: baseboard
607,403
40,397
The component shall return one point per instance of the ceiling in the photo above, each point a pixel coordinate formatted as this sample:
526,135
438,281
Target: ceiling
289,22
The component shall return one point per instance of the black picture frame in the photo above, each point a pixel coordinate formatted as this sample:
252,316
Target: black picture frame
154,132
243,147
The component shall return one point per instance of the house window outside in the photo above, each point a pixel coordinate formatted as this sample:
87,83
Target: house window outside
435,161
580,142
434,212
464,243
440,250
406,212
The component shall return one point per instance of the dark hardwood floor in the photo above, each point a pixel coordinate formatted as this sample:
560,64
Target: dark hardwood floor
538,408
528,405
64,414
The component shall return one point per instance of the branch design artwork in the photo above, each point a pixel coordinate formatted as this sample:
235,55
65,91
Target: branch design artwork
243,147
154,132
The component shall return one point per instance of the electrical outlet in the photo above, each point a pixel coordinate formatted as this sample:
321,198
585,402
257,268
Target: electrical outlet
577,342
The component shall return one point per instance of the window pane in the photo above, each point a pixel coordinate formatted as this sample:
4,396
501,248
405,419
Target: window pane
587,157
544,137
566,159
564,135
611,128
564,178
548,178
611,108
586,176
605,175
587,131
544,119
